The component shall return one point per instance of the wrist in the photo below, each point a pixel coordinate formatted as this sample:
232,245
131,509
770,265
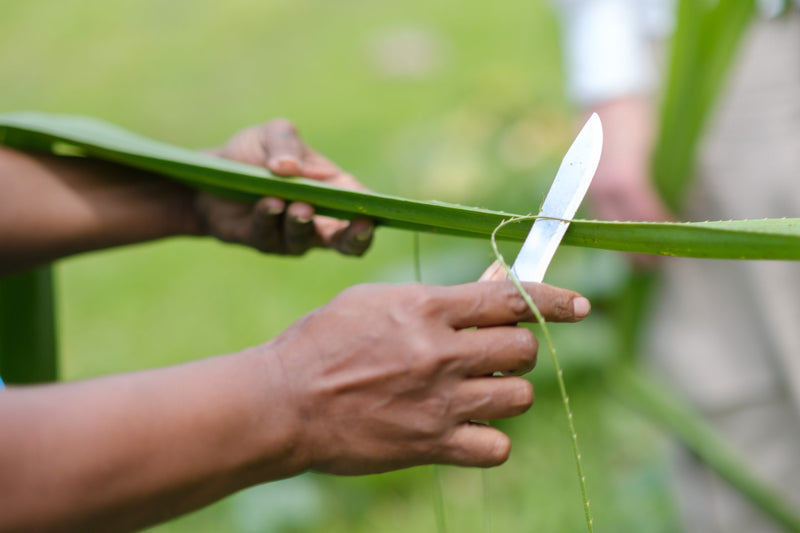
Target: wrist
186,217
280,448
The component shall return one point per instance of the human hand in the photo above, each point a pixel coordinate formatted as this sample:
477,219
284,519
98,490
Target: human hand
623,188
273,225
624,191
386,377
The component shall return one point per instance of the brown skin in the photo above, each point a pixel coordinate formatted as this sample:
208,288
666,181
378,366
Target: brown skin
84,205
273,226
382,377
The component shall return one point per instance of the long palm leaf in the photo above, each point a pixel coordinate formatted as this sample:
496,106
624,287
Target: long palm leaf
751,239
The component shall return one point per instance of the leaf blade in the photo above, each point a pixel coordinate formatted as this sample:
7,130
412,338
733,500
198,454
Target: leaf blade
754,239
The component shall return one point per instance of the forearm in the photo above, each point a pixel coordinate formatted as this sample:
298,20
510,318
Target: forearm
123,452
51,207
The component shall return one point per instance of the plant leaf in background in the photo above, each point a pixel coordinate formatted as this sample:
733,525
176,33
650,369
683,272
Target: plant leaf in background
706,40
665,408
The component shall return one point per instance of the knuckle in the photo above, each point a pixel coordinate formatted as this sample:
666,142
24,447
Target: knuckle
435,411
357,250
423,301
517,304
299,234
528,347
431,359
282,124
522,395
562,307
499,450
354,246
423,355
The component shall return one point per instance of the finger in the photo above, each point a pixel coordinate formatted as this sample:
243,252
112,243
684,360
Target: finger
490,398
227,220
496,349
284,149
344,180
495,272
318,167
496,303
473,444
266,225
298,228
246,147
352,239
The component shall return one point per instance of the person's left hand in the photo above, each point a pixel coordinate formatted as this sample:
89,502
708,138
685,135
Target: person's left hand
272,225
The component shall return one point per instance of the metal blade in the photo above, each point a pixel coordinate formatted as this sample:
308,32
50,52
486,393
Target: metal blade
566,194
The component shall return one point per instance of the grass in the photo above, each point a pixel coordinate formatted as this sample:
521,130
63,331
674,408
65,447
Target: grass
486,127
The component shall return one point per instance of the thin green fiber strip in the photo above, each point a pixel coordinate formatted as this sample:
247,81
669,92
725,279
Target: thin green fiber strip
573,434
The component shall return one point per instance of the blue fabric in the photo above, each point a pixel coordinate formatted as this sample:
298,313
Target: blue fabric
1,383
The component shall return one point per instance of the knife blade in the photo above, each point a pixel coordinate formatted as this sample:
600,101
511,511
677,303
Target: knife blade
566,194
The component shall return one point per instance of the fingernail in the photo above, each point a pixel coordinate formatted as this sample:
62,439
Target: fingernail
364,235
285,164
581,307
274,210
493,273
303,220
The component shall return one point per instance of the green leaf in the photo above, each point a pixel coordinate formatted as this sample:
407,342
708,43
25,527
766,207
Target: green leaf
705,41
667,409
70,136
27,328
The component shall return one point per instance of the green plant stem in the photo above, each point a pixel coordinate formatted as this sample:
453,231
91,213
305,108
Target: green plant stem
27,328
663,407
559,372
703,47
416,257
485,492
438,498
436,471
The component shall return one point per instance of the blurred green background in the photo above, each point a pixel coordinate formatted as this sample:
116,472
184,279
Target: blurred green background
460,102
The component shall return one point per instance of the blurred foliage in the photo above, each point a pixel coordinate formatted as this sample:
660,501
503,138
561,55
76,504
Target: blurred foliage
27,327
705,44
446,100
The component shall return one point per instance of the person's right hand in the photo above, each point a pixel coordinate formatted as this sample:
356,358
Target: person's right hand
380,378
386,377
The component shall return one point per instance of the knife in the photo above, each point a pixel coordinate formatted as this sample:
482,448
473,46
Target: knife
566,194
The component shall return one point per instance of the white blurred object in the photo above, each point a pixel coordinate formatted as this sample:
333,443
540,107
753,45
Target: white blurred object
607,44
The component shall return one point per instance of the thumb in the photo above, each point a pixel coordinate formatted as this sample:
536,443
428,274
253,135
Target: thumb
495,272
